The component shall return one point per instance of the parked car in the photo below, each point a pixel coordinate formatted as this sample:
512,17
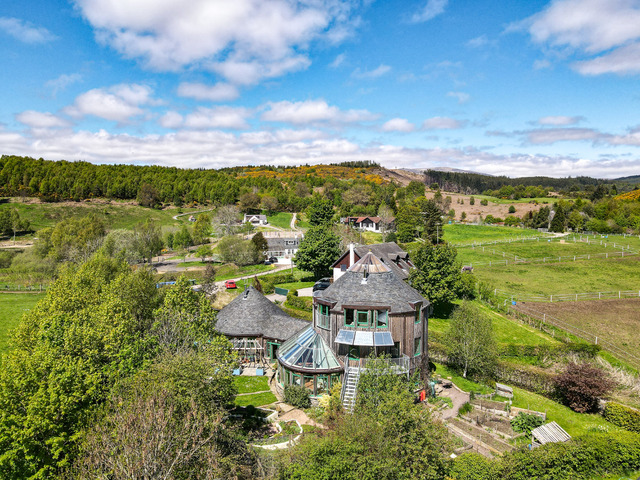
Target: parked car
322,284
230,284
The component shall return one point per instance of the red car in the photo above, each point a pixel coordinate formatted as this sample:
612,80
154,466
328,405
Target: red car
230,284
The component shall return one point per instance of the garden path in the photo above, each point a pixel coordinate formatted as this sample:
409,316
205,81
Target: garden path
458,397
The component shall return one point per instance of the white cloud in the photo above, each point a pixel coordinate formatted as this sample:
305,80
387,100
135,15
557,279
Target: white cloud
215,149
624,60
312,112
375,73
553,135
62,82
398,125
541,64
442,123
262,35
432,9
218,117
35,119
462,97
592,27
214,93
25,31
171,120
478,42
118,103
559,120
339,60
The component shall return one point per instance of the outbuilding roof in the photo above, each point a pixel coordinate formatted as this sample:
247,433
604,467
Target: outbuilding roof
377,287
389,253
251,314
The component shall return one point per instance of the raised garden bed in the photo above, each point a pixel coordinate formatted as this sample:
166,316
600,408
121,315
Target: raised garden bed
481,435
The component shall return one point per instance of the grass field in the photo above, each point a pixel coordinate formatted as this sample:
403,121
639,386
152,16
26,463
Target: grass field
228,271
246,384
12,307
280,219
115,215
614,321
506,331
600,275
459,234
256,399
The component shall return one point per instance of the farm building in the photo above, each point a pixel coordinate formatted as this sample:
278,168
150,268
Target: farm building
369,309
256,326
389,253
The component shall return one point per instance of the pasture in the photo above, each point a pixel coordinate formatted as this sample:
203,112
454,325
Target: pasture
465,234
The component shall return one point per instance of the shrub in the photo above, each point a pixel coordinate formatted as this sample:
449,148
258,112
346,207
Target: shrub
465,408
512,209
484,202
525,422
622,416
581,387
297,395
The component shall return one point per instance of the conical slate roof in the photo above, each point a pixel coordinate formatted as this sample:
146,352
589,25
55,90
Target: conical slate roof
375,288
251,314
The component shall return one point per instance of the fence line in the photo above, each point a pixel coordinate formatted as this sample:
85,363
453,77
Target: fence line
560,259
539,319
495,242
568,297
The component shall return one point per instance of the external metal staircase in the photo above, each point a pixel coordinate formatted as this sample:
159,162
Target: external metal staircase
350,388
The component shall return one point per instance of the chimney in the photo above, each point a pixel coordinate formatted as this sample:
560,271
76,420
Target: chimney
351,254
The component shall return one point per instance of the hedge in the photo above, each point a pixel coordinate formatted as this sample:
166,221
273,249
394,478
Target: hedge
297,395
622,416
269,282
580,458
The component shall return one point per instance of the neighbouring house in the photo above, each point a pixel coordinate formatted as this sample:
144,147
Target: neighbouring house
192,218
255,220
372,224
389,253
256,326
283,247
368,309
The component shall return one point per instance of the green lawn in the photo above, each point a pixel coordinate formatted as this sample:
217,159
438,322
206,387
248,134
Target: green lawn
12,307
462,383
228,271
280,219
295,285
302,221
256,400
574,423
247,384
506,331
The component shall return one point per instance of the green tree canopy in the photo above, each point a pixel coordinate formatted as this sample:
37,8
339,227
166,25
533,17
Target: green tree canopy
318,250
470,341
437,274
320,212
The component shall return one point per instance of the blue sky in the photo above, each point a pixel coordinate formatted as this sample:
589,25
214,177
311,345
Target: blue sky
513,88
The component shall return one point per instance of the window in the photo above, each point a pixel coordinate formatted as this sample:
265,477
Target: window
343,267
417,346
362,318
349,318
322,384
395,350
354,352
382,320
417,315
322,318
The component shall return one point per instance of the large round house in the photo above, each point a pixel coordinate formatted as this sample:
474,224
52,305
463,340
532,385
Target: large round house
369,309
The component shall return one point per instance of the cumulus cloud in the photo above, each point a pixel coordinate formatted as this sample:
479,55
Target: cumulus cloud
375,73
25,32
398,125
559,120
442,123
215,93
432,9
259,37
550,136
119,103
215,149
478,42
35,119
339,60
609,28
313,112
217,117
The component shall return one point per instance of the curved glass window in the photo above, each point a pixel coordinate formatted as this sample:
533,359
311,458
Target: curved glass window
307,350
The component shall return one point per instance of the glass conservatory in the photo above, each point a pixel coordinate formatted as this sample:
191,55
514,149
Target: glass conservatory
306,359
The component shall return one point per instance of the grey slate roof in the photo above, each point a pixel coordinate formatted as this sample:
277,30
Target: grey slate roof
251,314
383,289
391,255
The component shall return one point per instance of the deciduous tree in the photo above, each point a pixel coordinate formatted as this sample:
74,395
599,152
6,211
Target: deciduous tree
318,250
